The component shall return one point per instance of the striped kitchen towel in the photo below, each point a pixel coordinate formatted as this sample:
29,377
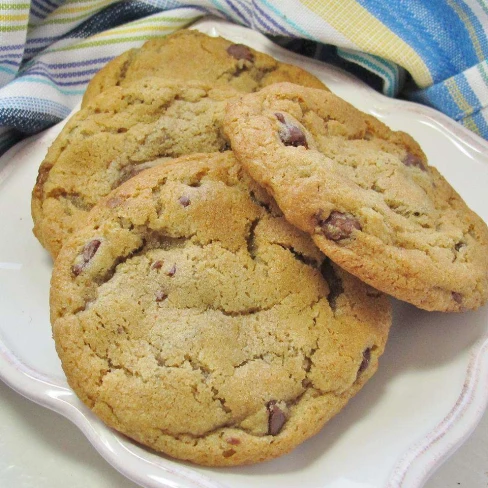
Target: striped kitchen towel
433,52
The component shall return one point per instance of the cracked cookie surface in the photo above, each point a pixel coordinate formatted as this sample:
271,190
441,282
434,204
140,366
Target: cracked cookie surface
122,132
189,315
365,193
192,55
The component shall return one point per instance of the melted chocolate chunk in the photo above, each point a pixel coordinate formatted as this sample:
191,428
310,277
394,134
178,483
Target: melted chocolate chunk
161,296
290,134
172,270
412,160
184,200
240,51
87,254
339,225
90,249
365,362
234,441
77,269
295,137
276,418
280,117
157,265
457,297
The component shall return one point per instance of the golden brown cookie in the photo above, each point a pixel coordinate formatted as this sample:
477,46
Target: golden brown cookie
365,193
192,55
189,315
120,133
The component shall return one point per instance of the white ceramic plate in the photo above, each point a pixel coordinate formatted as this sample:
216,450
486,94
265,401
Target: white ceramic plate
427,397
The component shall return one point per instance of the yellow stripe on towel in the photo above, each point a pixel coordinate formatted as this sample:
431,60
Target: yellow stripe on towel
370,35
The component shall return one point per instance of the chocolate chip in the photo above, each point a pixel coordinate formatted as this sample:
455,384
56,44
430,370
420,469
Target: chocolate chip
90,249
229,453
290,134
412,160
78,268
365,362
334,282
457,297
293,136
339,225
276,418
157,265
172,270
184,200
161,295
86,255
240,51
280,117
233,441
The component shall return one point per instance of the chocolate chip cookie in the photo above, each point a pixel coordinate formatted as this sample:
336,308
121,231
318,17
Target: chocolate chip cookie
120,133
365,193
192,55
189,315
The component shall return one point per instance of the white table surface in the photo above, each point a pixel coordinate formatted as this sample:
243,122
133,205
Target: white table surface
41,449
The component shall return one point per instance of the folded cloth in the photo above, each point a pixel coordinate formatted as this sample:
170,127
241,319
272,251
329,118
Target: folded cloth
431,52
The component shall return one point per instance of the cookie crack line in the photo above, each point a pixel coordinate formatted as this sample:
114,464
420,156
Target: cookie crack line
234,424
250,238
228,74
104,129
244,313
262,357
303,258
148,243
205,371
